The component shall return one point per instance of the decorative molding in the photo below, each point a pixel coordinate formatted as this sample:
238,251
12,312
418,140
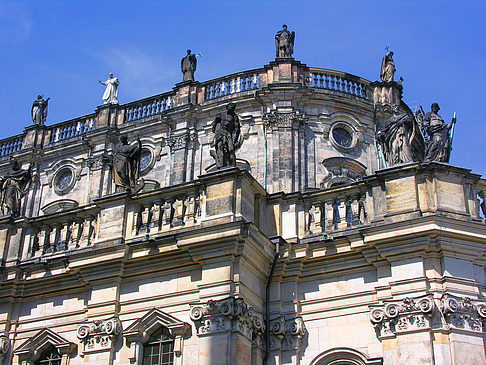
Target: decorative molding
99,335
4,346
394,317
140,331
181,141
32,349
463,313
276,120
230,314
345,355
286,334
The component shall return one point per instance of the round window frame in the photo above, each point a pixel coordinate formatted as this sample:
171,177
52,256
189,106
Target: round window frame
348,128
57,177
151,164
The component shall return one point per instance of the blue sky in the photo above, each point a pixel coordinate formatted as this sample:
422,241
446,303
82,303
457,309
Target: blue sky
61,48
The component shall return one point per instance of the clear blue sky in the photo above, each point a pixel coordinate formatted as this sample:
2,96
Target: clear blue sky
61,48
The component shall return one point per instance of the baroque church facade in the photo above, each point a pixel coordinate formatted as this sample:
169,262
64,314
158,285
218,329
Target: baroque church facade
313,223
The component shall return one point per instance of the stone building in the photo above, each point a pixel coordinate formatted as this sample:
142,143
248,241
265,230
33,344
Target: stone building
316,248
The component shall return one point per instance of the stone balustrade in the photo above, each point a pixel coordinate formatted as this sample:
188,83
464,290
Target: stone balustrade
232,84
73,128
337,81
11,145
60,232
148,107
337,209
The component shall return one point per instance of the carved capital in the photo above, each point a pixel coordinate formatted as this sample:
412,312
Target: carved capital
275,120
286,334
4,346
463,313
178,142
400,316
230,314
99,335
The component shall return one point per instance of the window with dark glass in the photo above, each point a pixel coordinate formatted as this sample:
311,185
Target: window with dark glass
159,349
49,357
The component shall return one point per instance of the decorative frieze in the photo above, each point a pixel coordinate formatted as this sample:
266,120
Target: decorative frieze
4,346
231,315
99,335
394,317
180,141
275,120
286,334
463,313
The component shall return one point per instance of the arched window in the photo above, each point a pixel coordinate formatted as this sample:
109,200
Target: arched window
345,356
50,356
159,349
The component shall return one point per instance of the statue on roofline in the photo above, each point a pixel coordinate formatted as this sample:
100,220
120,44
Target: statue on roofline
188,66
39,110
284,42
387,68
110,96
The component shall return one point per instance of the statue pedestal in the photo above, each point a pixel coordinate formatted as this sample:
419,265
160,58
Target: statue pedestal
386,93
186,92
285,70
108,115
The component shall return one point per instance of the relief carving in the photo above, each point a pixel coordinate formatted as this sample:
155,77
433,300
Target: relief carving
399,316
230,314
463,313
99,335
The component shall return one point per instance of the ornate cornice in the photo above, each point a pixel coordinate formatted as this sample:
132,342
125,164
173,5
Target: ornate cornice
394,317
99,335
230,314
463,313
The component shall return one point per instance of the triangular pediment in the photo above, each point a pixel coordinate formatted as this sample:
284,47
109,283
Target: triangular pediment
33,347
142,328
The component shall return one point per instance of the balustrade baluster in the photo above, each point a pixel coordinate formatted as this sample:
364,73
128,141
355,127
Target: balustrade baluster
34,241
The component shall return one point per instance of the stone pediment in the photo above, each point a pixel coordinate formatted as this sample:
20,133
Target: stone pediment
33,347
59,206
142,328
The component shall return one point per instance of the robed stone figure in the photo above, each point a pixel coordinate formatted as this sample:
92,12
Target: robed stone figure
188,66
400,138
126,165
14,187
110,96
227,137
39,110
387,68
438,148
284,42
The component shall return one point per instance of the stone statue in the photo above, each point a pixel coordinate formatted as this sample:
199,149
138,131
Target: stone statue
284,42
397,136
126,165
188,66
110,95
227,137
13,188
387,68
39,110
438,148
